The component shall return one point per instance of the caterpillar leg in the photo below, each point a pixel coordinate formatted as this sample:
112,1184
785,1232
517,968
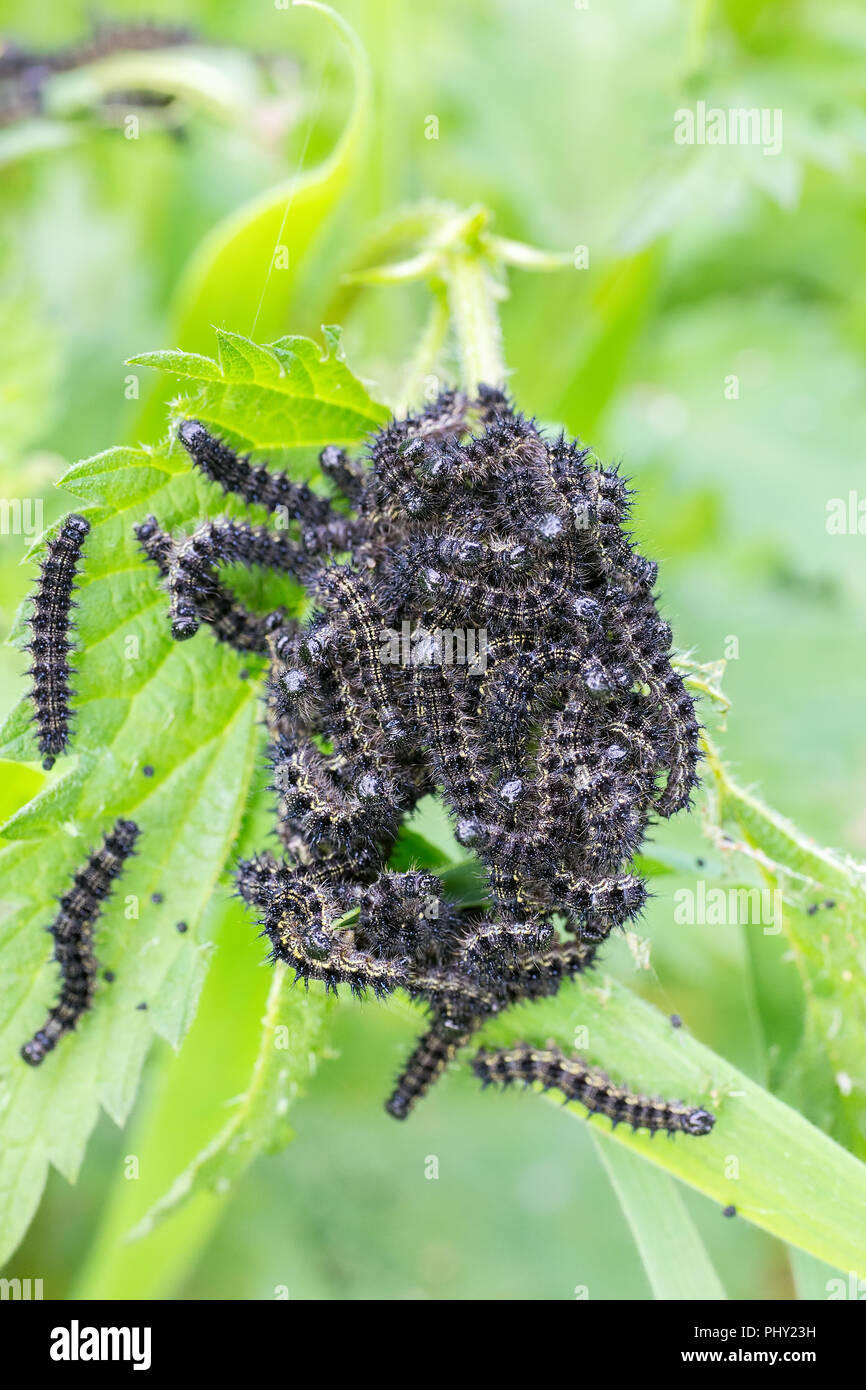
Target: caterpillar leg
577,1080
462,999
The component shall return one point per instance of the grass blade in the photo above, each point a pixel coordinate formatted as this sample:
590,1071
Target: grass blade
674,1256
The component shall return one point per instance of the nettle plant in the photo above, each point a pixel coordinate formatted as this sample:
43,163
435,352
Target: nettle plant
551,754
262,650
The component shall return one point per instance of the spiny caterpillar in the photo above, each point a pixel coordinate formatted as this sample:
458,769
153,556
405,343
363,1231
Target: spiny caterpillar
591,1087
552,755
72,930
50,624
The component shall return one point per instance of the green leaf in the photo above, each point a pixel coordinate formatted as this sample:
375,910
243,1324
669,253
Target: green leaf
618,315
673,1254
415,851
234,277
180,363
183,1104
828,942
143,701
666,859
781,1160
291,1029
34,137
289,401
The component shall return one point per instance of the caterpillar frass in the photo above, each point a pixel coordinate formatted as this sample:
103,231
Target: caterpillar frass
72,930
590,1086
50,624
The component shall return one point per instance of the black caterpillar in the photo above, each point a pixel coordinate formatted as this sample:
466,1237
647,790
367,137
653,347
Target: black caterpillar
72,930
588,1085
51,643
553,754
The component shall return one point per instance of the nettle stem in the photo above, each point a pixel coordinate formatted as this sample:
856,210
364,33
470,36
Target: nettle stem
473,295
464,266
428,351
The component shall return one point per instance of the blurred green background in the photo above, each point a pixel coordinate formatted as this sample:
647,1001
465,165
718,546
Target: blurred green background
704,264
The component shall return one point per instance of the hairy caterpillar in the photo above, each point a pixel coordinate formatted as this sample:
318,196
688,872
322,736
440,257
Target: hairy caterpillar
50,623
590,1086
72,930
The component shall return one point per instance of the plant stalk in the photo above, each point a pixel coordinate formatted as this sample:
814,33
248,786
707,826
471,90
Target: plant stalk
427,353
472,301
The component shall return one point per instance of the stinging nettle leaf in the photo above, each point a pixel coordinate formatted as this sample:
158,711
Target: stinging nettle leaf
167,734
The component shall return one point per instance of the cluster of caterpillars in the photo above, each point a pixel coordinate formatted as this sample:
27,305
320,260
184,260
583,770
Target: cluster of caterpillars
552,753
539,699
